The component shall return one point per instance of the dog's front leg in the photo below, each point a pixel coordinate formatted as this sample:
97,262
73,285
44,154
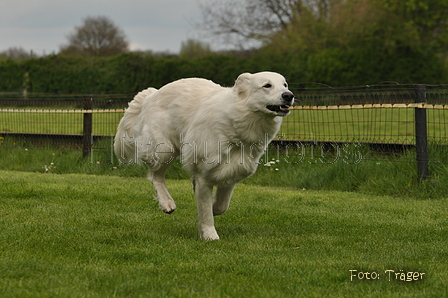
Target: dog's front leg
203,193
222,199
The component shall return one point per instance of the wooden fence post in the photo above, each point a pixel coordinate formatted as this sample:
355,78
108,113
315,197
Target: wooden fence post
421,134
87,130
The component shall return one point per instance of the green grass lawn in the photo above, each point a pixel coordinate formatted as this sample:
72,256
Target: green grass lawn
58,123
76,235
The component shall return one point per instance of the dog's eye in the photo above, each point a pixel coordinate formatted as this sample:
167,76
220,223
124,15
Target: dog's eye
286,85
267,86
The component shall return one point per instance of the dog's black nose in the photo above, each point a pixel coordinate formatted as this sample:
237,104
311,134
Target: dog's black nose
288,97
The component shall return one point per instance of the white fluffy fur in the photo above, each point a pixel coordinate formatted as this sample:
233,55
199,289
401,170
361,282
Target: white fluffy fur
218,133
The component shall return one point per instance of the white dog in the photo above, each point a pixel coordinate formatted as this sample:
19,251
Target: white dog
218,133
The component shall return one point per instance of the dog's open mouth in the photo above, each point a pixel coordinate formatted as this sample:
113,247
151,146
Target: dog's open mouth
281,110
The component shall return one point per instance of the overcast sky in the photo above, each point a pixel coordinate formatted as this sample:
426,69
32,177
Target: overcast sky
43,25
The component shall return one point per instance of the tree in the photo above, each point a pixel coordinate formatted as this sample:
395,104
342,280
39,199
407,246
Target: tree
192,49
422,23
15,53
340,41
425,21
249,23
98,36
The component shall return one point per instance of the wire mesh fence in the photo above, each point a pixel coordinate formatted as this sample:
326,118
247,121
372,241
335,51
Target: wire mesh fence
369,114
49,122
326,121
389,118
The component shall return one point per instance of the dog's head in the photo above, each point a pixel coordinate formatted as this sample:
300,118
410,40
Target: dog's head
266,92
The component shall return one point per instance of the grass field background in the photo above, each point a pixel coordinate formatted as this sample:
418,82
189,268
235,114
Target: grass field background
77,235
58,123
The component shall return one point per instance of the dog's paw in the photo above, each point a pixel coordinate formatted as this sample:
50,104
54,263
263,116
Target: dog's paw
209,234
167,207
169,211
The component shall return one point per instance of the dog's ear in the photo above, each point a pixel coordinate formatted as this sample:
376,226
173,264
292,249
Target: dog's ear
242,84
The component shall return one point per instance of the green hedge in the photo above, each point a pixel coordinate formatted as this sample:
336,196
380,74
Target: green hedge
373,64
125,73
132,72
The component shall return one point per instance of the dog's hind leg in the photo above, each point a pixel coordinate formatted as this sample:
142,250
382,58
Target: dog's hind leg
206,223
222,199
157,178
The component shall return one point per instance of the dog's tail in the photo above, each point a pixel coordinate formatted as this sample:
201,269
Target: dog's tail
124,145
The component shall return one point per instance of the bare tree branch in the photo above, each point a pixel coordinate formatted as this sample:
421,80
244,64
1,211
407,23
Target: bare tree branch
237,21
